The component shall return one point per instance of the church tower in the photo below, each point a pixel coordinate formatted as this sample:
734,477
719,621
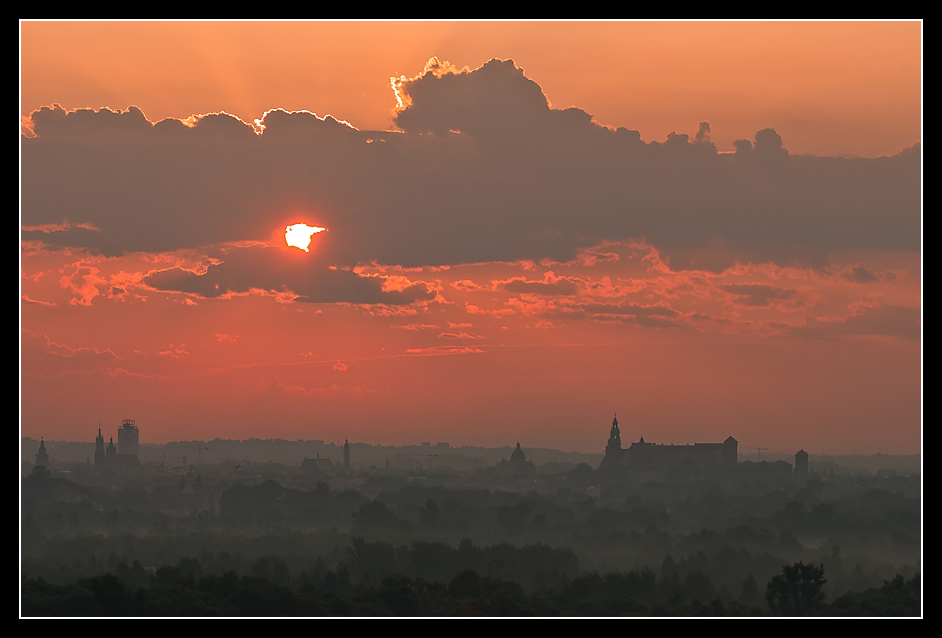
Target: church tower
42,458
613,450
111,453
99,449
517,456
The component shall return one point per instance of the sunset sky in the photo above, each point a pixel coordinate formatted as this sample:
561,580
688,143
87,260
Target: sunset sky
712,229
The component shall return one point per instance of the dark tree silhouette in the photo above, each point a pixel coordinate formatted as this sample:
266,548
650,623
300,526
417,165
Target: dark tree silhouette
798,591
750,590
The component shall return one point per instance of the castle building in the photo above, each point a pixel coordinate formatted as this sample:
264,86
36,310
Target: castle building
663,455
643,454
42,458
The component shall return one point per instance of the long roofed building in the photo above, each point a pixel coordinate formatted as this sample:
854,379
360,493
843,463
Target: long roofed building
643,454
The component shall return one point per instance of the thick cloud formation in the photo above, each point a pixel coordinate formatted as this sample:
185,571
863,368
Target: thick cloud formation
259,268
483,170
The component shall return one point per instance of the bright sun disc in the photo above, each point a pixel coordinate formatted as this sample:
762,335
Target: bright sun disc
299,235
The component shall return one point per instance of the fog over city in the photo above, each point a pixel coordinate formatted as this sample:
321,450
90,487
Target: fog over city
496,319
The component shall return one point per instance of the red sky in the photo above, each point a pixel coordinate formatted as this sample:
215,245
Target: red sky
500,262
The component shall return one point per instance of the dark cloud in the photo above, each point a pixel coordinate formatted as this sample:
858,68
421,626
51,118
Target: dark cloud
483,170
560,287
860,275
654,316
627,308
892,321
769,144
757,295
703,133
96,126
59,357
495,100
283,271
743,147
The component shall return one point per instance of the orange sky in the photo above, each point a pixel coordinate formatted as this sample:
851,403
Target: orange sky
494,270
828,88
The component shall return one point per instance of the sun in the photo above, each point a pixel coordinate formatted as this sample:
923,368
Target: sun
299,235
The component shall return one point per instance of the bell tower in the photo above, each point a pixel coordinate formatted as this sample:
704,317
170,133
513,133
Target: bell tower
99,449
613,450
42,457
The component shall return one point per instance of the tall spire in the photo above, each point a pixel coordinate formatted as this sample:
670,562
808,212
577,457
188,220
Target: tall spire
42,458
613,450
99,448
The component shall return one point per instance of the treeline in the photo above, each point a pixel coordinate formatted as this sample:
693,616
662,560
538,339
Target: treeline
179,591
862,534
416,511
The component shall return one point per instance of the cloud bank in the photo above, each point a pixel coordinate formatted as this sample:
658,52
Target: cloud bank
481,169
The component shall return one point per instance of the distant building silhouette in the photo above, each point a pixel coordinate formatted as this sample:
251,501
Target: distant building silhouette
128,437
662,455
518,463
99,449
642,454
613,451
317,466
109,458
346,455
41,457
801,463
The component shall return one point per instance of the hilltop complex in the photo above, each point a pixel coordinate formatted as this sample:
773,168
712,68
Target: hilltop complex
643,454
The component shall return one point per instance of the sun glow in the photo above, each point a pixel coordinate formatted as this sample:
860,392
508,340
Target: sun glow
299,235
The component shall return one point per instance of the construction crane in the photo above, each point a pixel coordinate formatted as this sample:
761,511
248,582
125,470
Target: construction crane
199,453
759,451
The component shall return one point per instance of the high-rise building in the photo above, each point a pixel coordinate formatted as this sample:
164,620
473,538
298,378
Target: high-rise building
128,437
346,455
